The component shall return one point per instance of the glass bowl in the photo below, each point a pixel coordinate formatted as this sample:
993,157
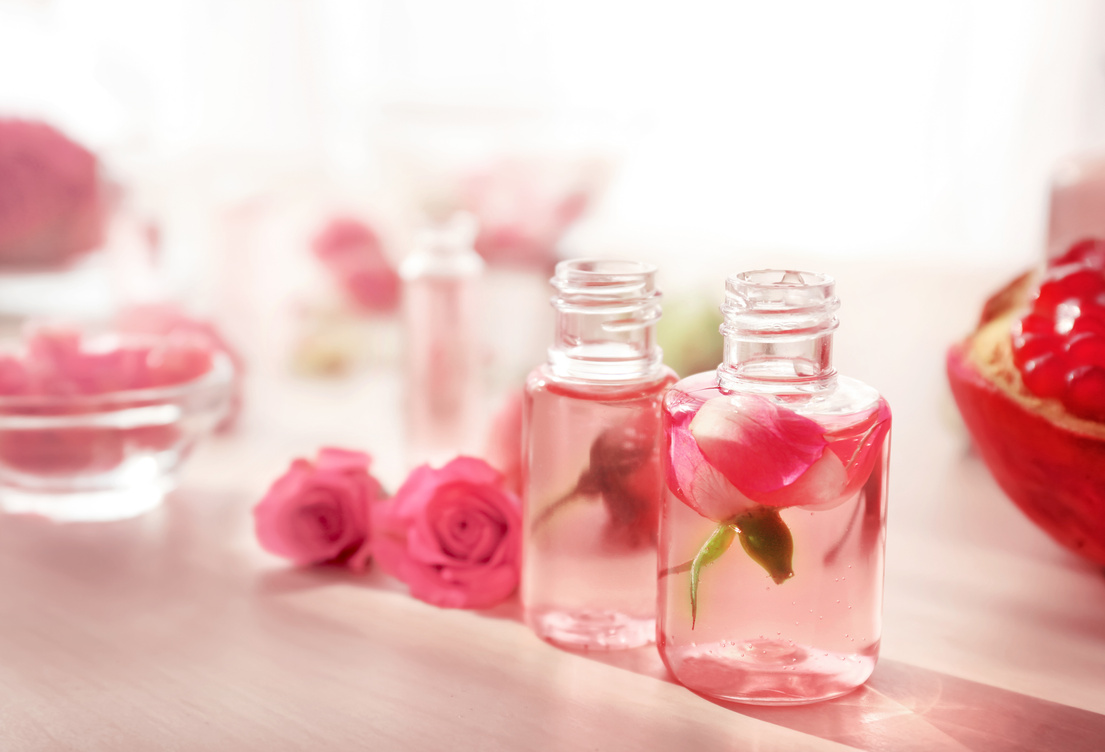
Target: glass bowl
108,455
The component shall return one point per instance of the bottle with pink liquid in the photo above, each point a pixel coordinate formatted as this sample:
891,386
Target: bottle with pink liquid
773,523
591,455
443,354
1077,203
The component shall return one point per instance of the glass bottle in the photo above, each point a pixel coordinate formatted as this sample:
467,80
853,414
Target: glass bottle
777,453
592,477
1075,209
442,351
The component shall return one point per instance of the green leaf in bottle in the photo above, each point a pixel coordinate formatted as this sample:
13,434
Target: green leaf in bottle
767,540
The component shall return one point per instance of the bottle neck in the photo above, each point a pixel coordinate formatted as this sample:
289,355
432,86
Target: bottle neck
606,314
444,250
778,332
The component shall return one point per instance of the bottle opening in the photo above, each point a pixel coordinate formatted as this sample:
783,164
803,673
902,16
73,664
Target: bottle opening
778,330
603,279
606,316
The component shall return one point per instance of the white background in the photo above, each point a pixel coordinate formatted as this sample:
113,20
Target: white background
855,128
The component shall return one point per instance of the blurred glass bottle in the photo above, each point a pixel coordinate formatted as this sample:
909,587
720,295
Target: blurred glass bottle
1077,202
444,354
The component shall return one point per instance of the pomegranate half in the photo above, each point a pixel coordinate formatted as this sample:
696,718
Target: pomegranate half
1044,444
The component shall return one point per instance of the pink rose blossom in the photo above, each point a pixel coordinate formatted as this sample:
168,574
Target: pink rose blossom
355,256
320,512
743,451
758,446
452,534
51,197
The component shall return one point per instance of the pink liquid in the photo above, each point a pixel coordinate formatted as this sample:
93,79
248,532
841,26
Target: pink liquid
814,635
444,408
589,571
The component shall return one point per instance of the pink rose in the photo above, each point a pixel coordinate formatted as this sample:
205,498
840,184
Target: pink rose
355,256
320,512
51,197
452,534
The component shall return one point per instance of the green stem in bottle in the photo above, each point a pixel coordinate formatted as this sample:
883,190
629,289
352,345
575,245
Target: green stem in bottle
717,544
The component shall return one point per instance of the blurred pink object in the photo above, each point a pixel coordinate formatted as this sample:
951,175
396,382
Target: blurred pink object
170,321
80,417
452,534
352,251
51,197
59,361
445,374
319,512
522,215
1077,208
504,440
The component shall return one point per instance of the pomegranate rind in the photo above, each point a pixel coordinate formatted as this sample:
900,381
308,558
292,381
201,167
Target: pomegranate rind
1048,462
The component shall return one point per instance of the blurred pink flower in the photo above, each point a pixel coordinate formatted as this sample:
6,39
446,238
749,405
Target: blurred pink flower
522,217
353,253
61,372
171,323
51,197
504,440
452,534
320,512
59,361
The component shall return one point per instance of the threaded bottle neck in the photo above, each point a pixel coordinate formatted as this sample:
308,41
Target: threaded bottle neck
778,328
606,314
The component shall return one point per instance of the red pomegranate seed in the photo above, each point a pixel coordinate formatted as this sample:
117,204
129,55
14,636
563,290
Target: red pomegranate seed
1085,393
1059,345
1029,346
1034,324
1045,376
1065,283
1086,350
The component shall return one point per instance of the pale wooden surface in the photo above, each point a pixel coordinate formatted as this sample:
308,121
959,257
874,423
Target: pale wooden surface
175,631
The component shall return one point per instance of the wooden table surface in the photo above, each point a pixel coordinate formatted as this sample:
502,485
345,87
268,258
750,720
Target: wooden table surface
174,631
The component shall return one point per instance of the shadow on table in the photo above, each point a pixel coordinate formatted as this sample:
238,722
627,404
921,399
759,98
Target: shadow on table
290,579
904,708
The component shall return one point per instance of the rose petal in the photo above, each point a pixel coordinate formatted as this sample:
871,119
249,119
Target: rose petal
859,456
487,509
452,589
698,483
821,487
758,446
267,513
335,459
